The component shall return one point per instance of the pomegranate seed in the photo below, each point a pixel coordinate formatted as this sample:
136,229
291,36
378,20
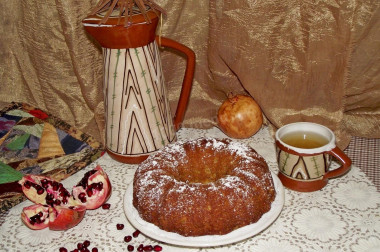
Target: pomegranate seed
36,218
57,202
55,186
94,249
106,206
157,248
44,183
62,249
86,243
148,248
27,184
82,197
127,238
140,247
119,226
79,245
130,248
136,233
40,191
75,250
89,192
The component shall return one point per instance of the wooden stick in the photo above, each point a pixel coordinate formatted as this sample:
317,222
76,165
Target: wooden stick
126,8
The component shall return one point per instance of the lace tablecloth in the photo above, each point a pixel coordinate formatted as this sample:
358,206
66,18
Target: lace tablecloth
343,216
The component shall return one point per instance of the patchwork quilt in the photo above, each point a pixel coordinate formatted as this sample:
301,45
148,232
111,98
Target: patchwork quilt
35,142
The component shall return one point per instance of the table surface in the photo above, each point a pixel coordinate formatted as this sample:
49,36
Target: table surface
365,154
343,216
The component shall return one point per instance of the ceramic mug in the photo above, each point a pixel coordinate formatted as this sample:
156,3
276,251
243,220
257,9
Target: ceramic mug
304,154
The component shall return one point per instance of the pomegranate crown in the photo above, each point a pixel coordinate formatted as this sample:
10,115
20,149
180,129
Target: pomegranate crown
125,9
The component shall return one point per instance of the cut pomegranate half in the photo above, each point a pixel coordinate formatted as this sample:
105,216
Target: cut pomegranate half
55,207
56,218
45,191
36,216
94,189
62,217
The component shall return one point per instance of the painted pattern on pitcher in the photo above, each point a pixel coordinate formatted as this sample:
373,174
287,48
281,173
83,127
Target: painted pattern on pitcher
138,116
303,167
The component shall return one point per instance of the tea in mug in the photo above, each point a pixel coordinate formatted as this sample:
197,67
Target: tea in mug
305,139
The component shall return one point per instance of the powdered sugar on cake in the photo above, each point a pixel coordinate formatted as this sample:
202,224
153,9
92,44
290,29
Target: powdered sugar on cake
184,185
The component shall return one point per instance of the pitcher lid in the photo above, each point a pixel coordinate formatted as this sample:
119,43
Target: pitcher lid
118,12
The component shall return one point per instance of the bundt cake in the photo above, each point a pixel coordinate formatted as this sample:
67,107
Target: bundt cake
203,187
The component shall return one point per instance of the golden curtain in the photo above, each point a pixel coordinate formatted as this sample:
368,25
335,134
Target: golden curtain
301,60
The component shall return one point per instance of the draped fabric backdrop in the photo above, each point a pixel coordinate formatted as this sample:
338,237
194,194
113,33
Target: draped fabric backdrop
301,60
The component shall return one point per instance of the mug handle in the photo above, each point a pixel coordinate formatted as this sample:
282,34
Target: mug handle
345,161
187,79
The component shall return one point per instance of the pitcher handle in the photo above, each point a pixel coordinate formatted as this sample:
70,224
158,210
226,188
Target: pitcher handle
187,79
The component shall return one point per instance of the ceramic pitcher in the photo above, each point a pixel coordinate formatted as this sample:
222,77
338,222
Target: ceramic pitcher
138,117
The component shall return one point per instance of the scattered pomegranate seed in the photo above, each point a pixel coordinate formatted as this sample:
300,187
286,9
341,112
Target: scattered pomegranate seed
148,248
106,206
157,248
119,226
83,247
127,238
80,245
86,243
136,233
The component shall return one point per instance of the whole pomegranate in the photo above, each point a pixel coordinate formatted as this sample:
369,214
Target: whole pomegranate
57,208
240,116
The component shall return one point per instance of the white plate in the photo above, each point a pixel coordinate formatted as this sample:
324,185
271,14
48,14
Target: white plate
240,234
